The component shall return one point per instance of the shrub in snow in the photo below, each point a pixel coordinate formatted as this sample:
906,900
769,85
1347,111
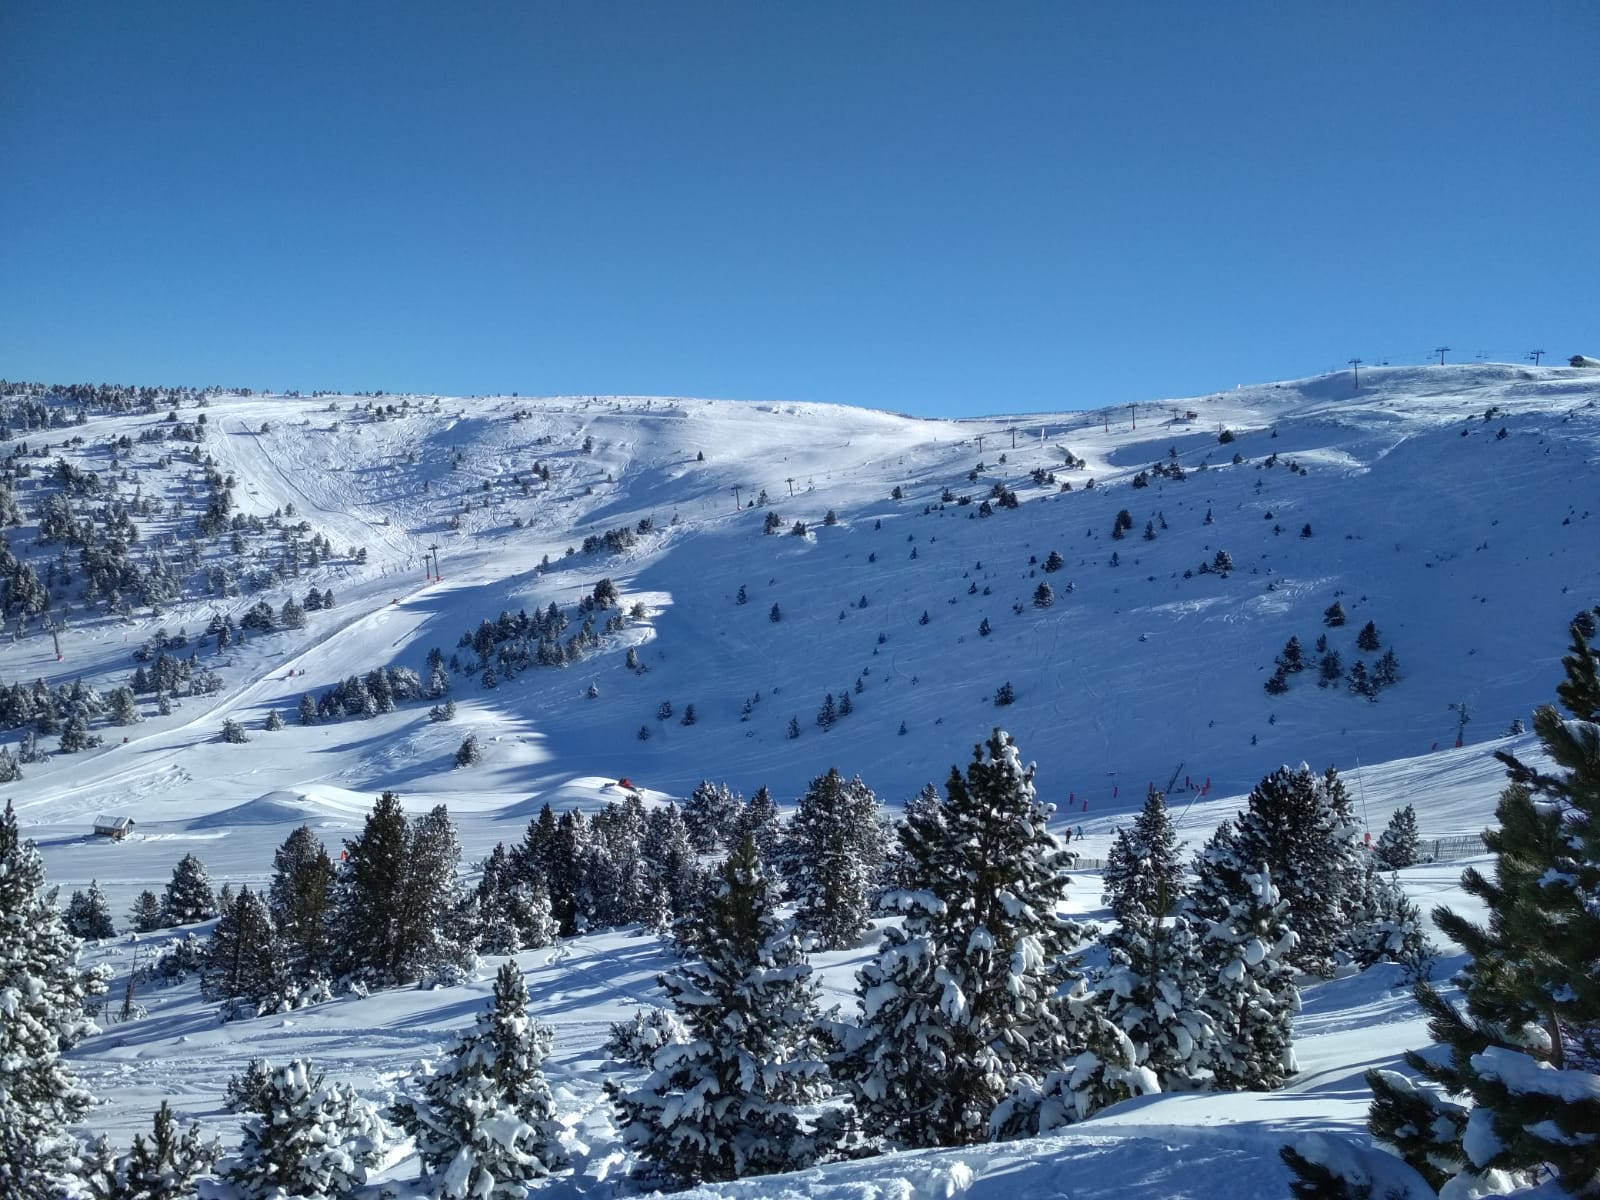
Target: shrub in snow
635,1041
1518,1093
42,995
724,1104
962,1003
484,1119
470,752
308,1138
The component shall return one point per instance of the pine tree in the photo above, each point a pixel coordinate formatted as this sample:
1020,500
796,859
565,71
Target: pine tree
832,853
676,882
189,897
710,812
42,994
233,732
1520,1083
759,821
484,1120
309,1138
1154,992
1247,944
241,960
1368,639
89,914
722,1106
1300,828
980,923
1144,875
145,916
307,710
163,1168
300,899
371,878
1399,845
429,928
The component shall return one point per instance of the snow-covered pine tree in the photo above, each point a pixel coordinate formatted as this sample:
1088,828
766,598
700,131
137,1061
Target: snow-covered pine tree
1144,874
564,874
615,881
1247,944
88,914
371,878
1398,845
832,852
189,897
1154,991
899,871
300,898
145,916
1301,827
1383,925
722,1105
164,1167
1521,1083
711,812
484,1119
430,932
676,880
961,1005
241,959
515,914
42,994
759,820
308,1139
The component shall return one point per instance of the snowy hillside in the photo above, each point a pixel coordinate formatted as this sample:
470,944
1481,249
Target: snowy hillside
1454,508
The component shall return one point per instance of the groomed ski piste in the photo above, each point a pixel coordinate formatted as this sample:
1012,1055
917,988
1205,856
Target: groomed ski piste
1454,507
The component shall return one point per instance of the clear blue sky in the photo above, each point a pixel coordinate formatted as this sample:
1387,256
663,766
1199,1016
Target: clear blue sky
943,208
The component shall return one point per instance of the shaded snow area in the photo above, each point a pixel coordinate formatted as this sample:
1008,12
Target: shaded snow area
1455,508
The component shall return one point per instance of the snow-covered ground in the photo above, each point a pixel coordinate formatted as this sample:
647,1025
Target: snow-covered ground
1470,551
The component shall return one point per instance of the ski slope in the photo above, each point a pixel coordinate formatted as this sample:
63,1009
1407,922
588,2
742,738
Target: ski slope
1469,550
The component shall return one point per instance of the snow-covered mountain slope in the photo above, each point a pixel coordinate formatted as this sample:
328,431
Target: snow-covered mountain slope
1469,550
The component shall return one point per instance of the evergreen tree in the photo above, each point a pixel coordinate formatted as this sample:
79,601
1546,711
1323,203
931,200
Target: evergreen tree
1291,660
1247,945
42,994
1398,846
711,812
307,711
163,1168
300,899
515,909
722,1106
233,732
308,1138
568,853
1143,875
833,851
899,869
145,916
241,960
189,897
1368,639
470,752
759,821
980,923
676,882
1153,993
93,918
371,879
1518,1092
429,927
1300,827
274,721
484,1119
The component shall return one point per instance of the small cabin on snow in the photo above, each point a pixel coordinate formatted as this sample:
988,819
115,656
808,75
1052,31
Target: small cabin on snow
114,827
